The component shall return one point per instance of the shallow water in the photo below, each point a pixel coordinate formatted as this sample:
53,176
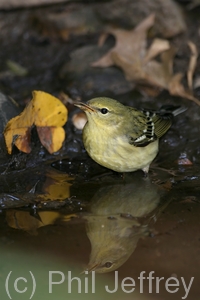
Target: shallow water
118,225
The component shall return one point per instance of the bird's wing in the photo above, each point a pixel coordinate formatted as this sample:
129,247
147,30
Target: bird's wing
162,124
148,127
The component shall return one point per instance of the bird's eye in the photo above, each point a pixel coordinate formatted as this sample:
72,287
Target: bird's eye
108,264
104,111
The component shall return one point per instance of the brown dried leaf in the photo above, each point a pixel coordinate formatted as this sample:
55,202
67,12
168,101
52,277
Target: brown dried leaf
129,44
192,64
177,89
102,38
156,74
157,47
51,137
197,82
131,55
138,64
153,73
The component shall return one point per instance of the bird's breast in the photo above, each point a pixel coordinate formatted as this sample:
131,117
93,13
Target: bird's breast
114,151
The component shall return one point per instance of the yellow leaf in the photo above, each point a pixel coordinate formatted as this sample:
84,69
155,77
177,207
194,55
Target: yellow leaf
56,186
17,131
48,114
51,137
22,220
48,110
23,140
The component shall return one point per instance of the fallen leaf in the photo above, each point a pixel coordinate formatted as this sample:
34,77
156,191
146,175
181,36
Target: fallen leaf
51,137
22,220
16,69
102,38
192,64
130,44
48,114
56,186
152,73
197,82
140,64
167,185
22,140
189,199
131,54
17,131
177,89
48,110
157,47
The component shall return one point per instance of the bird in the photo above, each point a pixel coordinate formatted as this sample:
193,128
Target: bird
123,138
118,215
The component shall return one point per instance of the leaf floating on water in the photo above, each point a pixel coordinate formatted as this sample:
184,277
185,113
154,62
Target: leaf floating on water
48,114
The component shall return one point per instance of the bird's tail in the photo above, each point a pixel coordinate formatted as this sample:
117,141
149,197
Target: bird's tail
174,110
179,110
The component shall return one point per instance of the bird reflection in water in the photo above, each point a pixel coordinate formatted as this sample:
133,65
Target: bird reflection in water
119,217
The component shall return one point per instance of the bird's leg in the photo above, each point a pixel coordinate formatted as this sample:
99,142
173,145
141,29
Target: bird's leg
122,175
146,170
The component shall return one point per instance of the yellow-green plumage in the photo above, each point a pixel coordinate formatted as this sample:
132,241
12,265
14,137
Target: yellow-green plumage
122,138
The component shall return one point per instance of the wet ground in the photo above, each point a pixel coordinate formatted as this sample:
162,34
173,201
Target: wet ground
64,213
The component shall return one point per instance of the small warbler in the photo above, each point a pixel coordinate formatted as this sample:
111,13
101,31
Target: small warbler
115,221
123,138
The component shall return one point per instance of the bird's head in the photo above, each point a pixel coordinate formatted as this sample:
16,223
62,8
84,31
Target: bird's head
103,111
107,260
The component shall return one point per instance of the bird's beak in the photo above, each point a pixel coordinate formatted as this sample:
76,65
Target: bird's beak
85,107
90,268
